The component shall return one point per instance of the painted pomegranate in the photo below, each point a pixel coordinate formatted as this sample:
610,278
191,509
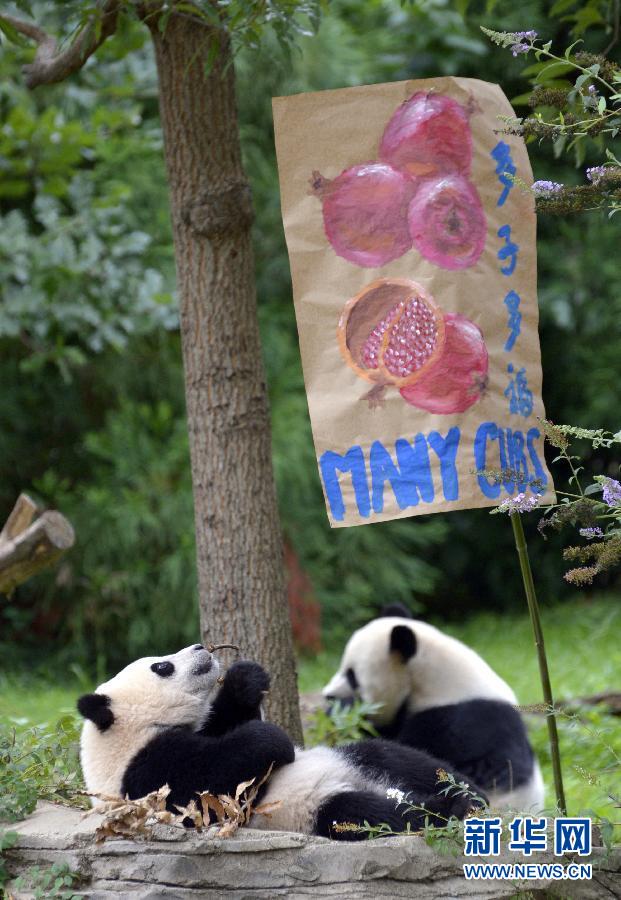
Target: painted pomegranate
365,212
456,378
429,133
390,333
447,222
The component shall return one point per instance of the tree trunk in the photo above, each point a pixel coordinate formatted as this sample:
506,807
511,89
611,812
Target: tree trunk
238,538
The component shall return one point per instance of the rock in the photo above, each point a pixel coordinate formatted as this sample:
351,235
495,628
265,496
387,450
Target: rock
261,865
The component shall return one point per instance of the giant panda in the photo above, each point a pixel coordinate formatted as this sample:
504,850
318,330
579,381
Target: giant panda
437,695
162,720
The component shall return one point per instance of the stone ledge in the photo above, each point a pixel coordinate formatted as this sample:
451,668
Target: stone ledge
178,863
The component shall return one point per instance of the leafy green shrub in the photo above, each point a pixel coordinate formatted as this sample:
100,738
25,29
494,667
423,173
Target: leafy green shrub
8,839
39,763
342,724
130,583
55,882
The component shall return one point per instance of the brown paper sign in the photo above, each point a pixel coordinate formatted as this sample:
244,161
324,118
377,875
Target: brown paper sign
413,261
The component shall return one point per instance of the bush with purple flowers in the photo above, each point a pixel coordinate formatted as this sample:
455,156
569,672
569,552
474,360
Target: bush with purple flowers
596,518
583,109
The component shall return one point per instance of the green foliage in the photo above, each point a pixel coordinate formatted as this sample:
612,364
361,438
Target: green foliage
344,723
80,269
245,21
38,763
55,882
8,839
137,511
589,739
79,285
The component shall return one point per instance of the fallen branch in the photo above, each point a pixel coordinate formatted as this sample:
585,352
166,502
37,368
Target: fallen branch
610,699
51,64
30,542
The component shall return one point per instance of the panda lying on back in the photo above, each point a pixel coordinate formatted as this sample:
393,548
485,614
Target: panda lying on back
155,723
439,696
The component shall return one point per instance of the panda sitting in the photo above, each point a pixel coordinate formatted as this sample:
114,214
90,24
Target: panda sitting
439,696
156,723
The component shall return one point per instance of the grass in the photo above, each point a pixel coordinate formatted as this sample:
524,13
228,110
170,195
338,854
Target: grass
32,700
584,652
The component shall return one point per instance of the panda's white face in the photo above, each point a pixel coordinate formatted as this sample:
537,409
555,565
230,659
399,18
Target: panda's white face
373,672
148,695
164,690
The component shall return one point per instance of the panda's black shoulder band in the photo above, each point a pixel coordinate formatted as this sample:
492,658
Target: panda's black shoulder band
96,707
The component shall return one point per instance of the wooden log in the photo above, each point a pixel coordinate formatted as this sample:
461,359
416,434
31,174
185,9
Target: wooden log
27,546
24,511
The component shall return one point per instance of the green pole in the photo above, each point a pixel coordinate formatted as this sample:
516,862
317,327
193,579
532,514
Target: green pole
533,608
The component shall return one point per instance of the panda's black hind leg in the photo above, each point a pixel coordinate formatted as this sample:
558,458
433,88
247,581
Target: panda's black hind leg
344,816
341,816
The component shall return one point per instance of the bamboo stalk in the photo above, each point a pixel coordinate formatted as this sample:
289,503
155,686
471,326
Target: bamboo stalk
533,608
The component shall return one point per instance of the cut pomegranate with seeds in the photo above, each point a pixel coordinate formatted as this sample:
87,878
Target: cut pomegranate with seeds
391,331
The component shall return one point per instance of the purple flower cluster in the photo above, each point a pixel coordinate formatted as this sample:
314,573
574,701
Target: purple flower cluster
595,173
545,188
612,492
520,503
590,533
520,37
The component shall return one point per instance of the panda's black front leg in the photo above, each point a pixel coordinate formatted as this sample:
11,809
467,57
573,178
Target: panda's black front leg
239,699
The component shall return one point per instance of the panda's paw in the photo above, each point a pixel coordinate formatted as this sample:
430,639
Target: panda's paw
247,683
453,804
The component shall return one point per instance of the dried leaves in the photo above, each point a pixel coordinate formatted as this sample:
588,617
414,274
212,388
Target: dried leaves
135,818
132,818
232,812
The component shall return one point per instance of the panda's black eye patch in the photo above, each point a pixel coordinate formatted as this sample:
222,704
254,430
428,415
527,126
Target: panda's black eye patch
163,668
350,675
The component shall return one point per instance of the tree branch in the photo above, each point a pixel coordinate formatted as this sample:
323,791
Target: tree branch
51,64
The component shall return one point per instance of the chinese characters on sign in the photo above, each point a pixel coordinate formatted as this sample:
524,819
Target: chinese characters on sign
517,392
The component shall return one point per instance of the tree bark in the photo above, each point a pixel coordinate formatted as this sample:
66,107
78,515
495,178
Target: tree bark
238,538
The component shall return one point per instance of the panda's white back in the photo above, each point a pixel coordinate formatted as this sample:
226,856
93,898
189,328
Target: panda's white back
444,671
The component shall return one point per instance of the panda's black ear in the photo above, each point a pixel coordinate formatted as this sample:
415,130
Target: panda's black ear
394,609
403,642
96,707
